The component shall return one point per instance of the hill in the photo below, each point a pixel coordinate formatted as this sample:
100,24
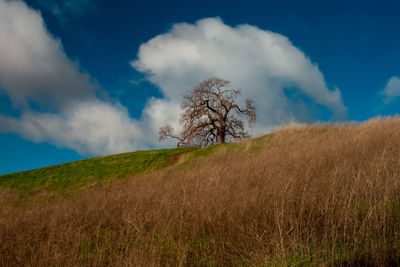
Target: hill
303,195
76,175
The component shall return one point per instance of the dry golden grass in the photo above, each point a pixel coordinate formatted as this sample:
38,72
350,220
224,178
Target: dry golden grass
315,195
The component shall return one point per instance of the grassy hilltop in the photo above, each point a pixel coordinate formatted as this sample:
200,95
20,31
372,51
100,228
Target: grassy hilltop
303,195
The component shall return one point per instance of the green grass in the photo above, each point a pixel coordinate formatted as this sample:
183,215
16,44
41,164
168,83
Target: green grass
75,175
72,176
203,152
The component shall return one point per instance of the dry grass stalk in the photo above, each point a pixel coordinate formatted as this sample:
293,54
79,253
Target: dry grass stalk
319,195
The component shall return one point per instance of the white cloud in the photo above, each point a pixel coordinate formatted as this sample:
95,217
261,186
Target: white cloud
92,127
261,63
35,69
33,65
391,90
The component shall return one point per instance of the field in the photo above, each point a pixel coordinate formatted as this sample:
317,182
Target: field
72,176
319,195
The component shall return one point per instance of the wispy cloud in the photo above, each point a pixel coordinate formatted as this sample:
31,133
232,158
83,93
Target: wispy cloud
391,90
66,9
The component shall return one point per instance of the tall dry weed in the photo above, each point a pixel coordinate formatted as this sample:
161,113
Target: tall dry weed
316,195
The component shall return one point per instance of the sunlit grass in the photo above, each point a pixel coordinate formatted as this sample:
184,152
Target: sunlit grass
319,195
75,175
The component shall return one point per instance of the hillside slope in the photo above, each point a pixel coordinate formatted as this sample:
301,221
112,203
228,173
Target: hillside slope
76,175
303,195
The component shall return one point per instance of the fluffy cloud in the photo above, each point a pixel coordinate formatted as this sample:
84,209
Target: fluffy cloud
391,90
261,63
92,127
33,64
35,69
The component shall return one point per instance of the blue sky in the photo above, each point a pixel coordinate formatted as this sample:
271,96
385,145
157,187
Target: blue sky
87,78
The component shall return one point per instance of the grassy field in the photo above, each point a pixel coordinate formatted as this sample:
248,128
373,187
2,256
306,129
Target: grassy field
71,176
319,195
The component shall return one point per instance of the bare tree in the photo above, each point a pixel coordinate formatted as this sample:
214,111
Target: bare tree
211,115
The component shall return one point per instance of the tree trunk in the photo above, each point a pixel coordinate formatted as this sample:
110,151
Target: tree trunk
221,138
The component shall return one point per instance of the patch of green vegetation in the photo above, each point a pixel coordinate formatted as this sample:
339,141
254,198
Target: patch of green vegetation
313,257
349,257
198,252
304,256
203,152
69,177
167,248
74,175
252,145
390,206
